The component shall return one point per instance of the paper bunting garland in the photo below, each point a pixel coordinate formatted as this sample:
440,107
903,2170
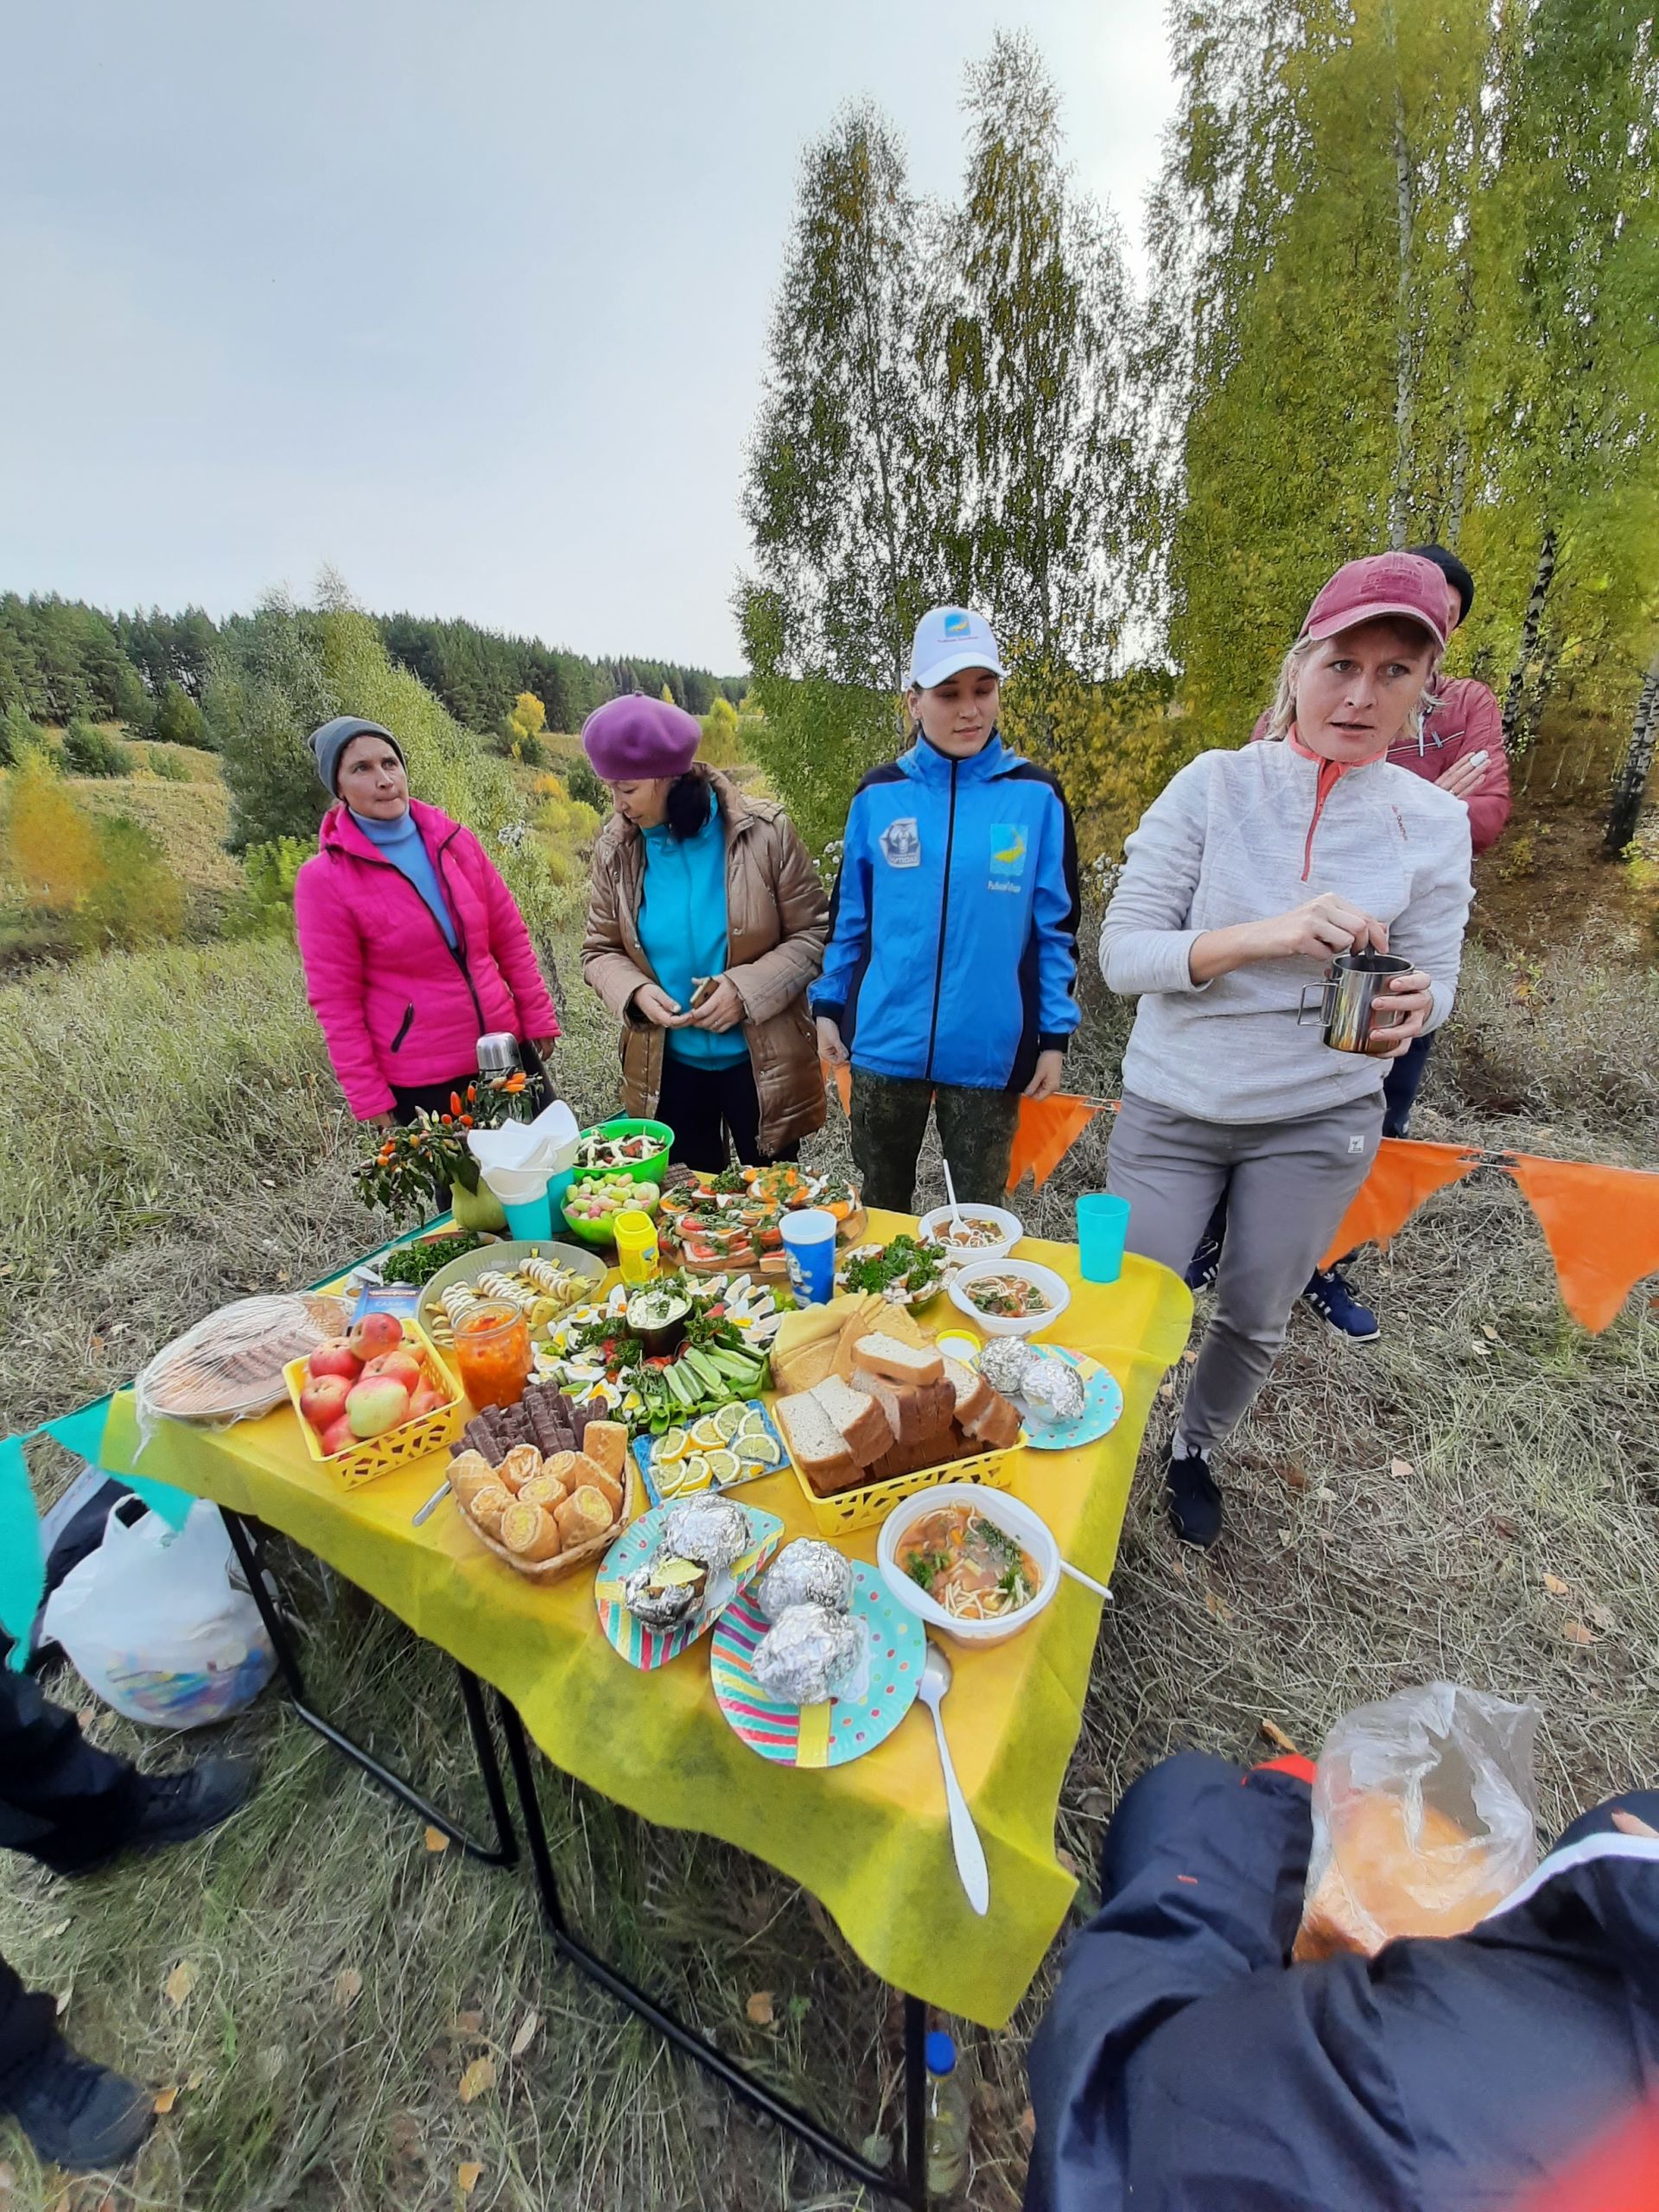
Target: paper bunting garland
1048,1129
1601,1225
1403,1175
23,1562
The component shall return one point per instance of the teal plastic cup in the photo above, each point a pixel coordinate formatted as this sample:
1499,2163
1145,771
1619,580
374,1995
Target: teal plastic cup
1103,1223
532,1220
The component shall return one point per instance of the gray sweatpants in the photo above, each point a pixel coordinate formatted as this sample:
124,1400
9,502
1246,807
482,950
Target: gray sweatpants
1288,1185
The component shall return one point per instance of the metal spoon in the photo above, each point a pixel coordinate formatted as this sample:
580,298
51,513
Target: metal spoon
964,1836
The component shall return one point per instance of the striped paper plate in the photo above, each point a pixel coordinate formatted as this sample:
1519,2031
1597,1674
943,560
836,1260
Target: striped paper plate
645,1647
845,1728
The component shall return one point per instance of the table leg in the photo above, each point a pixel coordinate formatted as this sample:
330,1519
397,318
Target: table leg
913,2190
505,1851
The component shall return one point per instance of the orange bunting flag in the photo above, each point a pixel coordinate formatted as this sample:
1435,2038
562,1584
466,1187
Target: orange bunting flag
1601,1225
1403,1174
1048,1129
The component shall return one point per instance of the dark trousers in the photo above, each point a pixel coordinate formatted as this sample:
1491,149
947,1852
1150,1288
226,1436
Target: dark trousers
1400,1087
889,1118
703,1105
68,1805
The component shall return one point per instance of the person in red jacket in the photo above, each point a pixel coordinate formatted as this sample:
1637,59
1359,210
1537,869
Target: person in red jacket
1460,749
413,946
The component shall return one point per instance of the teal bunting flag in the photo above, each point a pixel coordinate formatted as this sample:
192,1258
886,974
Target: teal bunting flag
22,1561
82,1433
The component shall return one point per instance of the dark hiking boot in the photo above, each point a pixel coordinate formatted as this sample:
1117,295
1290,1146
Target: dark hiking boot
173,1808
1193,1498
77,2115
1328,1293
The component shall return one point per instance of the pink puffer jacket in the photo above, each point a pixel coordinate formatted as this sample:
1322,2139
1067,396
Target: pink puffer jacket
395,1004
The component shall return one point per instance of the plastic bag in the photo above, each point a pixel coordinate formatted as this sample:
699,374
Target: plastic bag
229,1366
153,1623
1423,1819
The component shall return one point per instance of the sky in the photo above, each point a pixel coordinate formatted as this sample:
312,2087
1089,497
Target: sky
468,301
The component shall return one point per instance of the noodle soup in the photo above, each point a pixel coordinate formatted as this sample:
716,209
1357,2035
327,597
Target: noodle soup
970,1567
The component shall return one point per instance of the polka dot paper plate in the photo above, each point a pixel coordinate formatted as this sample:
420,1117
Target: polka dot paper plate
845,1728
1102,1405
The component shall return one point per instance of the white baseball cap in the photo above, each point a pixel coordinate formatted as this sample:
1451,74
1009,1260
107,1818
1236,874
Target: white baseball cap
949,639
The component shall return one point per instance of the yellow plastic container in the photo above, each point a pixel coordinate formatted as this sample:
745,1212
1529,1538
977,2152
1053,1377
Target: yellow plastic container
869,1505
637,1257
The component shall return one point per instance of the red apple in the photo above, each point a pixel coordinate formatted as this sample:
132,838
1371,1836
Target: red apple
335,1357
375,1333
375,1404
323,1399
426,1400
339,1436
402,1365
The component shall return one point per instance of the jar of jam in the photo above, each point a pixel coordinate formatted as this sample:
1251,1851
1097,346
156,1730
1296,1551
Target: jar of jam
492,1352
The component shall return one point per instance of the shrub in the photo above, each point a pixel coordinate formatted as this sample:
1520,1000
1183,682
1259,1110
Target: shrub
582,782
179,720
89,751
20,738
136,899
167,766
265,907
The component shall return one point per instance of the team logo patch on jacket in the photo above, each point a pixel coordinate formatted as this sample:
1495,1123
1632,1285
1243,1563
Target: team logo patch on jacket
901,843
1010,844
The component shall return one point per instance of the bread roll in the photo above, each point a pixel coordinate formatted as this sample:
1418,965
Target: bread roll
543,1489
588,1469
469,1473
584,1514
530,1533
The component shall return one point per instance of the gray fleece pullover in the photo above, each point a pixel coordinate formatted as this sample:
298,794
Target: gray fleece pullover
1237,837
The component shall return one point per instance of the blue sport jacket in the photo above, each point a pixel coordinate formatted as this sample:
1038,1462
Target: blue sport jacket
953,948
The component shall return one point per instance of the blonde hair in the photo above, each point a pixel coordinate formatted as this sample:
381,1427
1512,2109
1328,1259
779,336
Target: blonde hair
1282,712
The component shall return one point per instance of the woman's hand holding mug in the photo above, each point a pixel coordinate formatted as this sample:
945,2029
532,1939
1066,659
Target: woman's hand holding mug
1410,1001
1314,930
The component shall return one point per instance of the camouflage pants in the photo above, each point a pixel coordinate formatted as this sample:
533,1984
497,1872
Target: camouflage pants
889,1119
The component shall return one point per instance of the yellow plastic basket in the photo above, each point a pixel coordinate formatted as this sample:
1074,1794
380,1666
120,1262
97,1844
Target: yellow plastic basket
870,1505
382,1455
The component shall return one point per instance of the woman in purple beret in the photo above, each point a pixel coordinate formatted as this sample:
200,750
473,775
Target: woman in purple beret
706,922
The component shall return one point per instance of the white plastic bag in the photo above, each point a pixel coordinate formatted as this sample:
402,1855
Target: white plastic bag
152,1622
1423,1818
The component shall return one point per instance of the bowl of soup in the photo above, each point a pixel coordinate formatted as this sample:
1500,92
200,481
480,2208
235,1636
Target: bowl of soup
1009,1297
973,1232
969,1561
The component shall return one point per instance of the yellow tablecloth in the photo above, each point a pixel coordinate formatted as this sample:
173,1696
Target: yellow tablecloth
869,1840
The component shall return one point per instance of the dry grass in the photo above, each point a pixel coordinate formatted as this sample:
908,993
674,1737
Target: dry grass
189,822
1394,1515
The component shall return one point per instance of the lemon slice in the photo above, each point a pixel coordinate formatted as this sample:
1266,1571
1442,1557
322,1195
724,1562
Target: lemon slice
708,1435
760,1451
754,1424
674,1444
730,1418
724,1466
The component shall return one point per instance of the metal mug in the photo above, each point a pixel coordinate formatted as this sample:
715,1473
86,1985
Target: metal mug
1347,997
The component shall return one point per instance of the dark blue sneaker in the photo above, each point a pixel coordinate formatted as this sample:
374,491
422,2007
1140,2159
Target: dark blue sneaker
1193,1498
1205,1263
1328,1293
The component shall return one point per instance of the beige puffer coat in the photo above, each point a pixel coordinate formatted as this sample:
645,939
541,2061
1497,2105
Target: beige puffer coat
777,920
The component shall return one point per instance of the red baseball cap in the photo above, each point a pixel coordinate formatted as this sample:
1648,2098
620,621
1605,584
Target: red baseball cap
1403,584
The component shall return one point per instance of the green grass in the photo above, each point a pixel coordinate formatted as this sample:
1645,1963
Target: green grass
180,1139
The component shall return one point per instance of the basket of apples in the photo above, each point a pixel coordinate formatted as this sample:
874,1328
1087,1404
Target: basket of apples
374,1399
592,1203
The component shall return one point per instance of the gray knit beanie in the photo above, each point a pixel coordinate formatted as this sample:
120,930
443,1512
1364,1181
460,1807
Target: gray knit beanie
331,740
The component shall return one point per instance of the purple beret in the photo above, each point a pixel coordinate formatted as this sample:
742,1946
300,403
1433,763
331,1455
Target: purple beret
636,737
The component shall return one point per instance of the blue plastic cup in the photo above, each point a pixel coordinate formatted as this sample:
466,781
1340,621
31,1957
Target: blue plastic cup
1103,1223
810,1255
558,1185
531,1221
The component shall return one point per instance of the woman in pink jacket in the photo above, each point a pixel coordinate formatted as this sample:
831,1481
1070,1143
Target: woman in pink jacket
413,946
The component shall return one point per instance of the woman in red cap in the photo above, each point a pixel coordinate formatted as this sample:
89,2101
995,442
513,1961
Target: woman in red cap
706,922
1248,872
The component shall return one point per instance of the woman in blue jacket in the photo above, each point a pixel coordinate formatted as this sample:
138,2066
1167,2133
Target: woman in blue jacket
951,971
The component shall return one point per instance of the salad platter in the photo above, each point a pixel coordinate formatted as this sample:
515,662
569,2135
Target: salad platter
664,1356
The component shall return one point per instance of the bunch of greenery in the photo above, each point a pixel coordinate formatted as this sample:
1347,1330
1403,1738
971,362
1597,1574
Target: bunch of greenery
89,751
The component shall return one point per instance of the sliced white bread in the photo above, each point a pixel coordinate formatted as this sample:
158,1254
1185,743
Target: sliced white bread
896,1361
974,1393
866,1429
816,1444
996,1427
912,1414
